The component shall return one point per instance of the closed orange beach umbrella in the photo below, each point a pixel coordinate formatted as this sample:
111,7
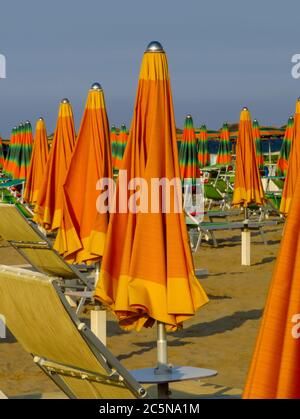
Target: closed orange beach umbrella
275,366
147,270
48,208
247,186
37,163
293,165
82,233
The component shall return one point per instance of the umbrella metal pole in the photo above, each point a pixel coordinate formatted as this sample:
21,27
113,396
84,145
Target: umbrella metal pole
270,159
246,242
162,361
98,316
97,272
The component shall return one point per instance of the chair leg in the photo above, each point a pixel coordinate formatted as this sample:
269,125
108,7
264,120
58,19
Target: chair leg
198,240
215,243
263,236
80,305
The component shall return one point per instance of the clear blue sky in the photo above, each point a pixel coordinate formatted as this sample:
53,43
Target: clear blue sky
222,55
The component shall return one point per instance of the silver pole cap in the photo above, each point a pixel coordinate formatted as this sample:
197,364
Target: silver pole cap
154,46
96,86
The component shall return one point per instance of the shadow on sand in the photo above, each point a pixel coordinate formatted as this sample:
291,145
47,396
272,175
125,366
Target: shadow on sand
200,330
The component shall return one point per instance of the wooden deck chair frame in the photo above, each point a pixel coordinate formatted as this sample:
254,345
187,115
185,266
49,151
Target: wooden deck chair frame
39,316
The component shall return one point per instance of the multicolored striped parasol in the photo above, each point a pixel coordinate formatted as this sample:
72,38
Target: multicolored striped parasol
203,154
224,154
258,145
188,160
284,154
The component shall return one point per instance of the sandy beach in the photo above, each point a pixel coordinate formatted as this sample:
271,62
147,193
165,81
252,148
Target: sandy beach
221,336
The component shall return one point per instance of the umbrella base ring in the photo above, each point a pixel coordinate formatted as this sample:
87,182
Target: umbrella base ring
174,374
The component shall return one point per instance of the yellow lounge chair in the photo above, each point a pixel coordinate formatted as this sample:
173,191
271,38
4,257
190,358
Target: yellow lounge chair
41,319
37,250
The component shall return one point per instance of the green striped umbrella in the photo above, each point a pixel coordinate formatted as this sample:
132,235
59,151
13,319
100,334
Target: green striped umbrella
203,154
258,145
1,154
224,155
188,152
23,151
121,142
7,159
282,162
10,159
114,145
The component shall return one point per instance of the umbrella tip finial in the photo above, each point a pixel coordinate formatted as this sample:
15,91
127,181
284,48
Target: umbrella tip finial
245,108
96,86
154,46
40,118
189,116
65,100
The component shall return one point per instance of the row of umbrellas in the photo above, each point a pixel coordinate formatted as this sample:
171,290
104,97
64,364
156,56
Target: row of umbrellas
147,272
17,162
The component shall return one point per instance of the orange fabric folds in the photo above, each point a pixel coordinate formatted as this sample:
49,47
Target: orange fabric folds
293,165
48,208
82,234
275,366
247,187
147,271
37,164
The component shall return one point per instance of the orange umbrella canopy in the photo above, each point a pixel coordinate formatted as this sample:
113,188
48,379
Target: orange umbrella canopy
37,163
48,208
293,165
82,233
247,187
275,366
147,271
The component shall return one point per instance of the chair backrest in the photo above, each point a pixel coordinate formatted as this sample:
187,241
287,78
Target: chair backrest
40,318
36,249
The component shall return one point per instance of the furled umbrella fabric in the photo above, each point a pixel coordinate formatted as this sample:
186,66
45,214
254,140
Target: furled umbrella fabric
293,165
114,144
188,159
258,144
25,149
8,161
48,208
203,154
224,155
247,186
82,233
1,155
38,163
22,151
275,365
284,154
14,157
147,271
120,146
